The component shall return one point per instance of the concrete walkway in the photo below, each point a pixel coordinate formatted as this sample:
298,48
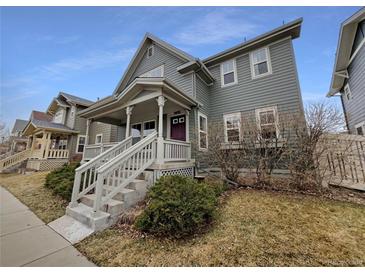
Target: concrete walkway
26,241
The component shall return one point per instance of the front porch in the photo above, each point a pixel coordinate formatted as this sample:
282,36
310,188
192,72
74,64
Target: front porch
149,105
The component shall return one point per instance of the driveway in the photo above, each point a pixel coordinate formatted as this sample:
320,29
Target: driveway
26,241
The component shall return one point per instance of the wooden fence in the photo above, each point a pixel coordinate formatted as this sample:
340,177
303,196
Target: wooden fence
342,160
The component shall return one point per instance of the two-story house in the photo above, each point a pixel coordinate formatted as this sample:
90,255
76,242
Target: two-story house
348,78
17,140
58,136
164,102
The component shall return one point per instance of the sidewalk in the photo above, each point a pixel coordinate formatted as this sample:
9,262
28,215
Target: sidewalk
26,241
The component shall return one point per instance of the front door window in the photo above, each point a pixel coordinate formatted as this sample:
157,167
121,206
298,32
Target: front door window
136,132
178,128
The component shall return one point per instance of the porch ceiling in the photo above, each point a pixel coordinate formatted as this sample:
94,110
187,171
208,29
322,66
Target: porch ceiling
141,94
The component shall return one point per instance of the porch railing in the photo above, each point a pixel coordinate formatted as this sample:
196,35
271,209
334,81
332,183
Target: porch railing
86,175
91,151
58,154
14,159
175,150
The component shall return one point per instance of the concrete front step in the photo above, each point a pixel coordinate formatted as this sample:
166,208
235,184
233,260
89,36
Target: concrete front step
84,214
71,229
113,207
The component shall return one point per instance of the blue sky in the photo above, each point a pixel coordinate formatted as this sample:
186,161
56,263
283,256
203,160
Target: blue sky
84,50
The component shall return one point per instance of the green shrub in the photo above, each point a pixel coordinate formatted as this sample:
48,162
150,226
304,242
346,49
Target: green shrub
177,207
61,180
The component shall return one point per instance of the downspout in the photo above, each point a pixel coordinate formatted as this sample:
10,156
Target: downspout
345,114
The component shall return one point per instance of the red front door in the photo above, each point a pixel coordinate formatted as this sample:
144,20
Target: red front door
178,128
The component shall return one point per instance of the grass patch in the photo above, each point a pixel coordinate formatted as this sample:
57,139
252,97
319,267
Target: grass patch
30,190
254,228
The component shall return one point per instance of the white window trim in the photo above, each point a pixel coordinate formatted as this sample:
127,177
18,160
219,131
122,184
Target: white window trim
153,51
78,143
199,130
147,122
276,122
347,87
268,60
362,124
234,73
225,116
96,138
138,123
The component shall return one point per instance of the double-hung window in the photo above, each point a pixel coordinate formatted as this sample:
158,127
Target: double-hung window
228,73
156,72
260,62
232,127
348,93
267,122
148,127
203,131
81,140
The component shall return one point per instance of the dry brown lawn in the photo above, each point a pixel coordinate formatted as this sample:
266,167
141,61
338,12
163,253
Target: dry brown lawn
30,190
254,228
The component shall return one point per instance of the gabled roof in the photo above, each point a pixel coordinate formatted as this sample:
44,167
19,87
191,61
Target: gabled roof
43,120
290,29
75,99
65,100
343,53
146,42
19,125
39,115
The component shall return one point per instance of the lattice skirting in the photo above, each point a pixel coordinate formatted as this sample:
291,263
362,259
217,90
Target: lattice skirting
44,165
185,171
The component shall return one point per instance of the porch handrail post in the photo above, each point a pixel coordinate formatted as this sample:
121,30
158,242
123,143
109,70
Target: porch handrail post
87,139
128,111
160,144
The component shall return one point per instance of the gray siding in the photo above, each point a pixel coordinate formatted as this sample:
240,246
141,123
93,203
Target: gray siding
170,62
100,128
281,88
70,119
355,108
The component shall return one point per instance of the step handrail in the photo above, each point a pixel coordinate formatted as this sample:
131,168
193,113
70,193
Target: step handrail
86,173
127,152
14,159
123,169
103,154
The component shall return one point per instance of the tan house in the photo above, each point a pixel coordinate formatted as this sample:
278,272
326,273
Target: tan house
57,136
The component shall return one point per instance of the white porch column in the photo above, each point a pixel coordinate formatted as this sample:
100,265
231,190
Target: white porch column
48,143
187,132
43,146
160,146
87,139
128,111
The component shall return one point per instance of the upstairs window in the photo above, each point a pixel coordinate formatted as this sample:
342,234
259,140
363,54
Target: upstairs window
58,116
228,73
232,127
267,122
203,132
156,72
348,93
260,63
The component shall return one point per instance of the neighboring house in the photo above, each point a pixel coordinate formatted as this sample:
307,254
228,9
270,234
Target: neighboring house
164,102
348,78
17,140
56,136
